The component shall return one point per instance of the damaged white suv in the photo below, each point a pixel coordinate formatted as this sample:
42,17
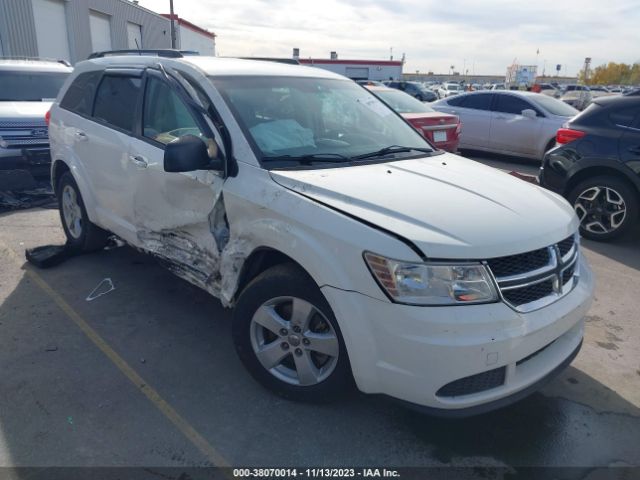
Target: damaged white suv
351,249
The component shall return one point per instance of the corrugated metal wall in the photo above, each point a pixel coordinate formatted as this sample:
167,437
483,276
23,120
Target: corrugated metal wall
17,27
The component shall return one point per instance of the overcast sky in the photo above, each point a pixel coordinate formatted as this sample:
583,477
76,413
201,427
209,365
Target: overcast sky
483,36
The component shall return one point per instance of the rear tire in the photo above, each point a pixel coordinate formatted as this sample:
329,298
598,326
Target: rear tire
288,338
606,206
82,235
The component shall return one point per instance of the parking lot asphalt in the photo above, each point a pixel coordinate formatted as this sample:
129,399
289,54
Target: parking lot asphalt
147,375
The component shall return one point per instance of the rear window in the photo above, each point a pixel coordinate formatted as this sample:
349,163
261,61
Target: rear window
480,101
116,99
452,88
555,107
24,86
79,96
402,102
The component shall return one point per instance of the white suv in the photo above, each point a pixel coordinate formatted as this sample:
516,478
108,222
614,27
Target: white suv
350,248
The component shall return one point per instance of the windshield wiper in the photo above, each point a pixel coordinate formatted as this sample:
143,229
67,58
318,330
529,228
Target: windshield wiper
391,149
309,158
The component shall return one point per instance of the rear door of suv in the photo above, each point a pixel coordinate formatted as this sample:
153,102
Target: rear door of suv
97,116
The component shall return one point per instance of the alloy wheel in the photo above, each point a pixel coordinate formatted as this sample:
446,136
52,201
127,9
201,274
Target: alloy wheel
294,341
71,211
601,209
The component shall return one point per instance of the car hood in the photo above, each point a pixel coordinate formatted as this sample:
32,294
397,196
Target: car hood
22,111
449,207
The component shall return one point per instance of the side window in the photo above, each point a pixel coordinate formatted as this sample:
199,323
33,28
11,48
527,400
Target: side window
165,117
455,101
624,117
481,101
79,96
116,100
511,104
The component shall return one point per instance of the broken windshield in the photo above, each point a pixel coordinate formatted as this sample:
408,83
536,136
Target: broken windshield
297,117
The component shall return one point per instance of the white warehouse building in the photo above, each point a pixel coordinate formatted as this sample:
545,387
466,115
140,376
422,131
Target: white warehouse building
73,29
356,69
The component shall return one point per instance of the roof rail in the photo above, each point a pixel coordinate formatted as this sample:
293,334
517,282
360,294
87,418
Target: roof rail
289,61
38,59
169,53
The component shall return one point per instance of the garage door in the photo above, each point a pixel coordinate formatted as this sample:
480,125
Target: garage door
51,29
357,73
100,25
134,35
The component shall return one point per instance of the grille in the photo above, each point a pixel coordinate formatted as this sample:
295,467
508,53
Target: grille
22,124
474,384
18,142
520,296
565,245
521,263
18,135
539,274
568,274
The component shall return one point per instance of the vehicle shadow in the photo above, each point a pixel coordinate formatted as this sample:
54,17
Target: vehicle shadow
64,403
625,250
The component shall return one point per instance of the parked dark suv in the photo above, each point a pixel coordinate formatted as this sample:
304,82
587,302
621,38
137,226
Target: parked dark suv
414,89
597,166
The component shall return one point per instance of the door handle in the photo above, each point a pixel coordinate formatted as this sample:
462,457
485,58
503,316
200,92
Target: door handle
138,161
635,149
81,136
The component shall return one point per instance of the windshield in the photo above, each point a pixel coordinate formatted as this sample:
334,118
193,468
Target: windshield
288,118
25,86
453,88
403,103
555,107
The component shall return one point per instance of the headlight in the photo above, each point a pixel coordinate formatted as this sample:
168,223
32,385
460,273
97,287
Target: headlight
3,143
432,283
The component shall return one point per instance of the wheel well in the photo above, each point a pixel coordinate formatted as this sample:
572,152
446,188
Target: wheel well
59,167
260,260
597,172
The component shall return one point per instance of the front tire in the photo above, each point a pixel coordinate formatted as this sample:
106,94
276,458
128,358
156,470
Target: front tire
606,206
288,338
82,235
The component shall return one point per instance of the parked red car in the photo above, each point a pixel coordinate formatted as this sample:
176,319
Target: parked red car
441,129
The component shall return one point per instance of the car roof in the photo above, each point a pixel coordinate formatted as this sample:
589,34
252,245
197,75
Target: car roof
33,65
379,88
213,66
617,101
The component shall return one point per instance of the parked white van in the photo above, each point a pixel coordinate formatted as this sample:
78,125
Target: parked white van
351,249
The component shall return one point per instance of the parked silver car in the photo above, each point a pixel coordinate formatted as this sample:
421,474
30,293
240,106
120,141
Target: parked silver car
508,122
27,89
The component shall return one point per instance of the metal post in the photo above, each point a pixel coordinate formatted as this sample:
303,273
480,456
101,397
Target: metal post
173,25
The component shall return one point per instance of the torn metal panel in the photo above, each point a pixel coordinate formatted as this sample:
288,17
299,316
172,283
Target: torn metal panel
205,254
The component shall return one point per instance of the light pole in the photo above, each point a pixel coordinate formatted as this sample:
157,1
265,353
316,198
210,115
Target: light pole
173,25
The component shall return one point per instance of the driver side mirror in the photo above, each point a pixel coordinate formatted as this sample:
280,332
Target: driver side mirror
189,153
529,113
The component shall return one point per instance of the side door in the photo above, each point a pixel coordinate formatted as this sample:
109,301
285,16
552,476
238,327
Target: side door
103,143
628,120
174,213
511,132
474,112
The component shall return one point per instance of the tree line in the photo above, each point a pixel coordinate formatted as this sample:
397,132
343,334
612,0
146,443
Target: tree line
614,74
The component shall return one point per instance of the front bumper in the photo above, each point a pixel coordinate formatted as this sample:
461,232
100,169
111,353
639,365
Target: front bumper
410,353
36,160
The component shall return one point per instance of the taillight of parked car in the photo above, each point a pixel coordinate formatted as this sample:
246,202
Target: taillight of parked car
47,117
568,135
